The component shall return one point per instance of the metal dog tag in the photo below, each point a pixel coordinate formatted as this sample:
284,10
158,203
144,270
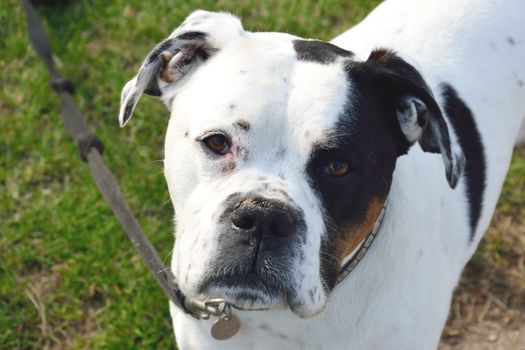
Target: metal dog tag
225,327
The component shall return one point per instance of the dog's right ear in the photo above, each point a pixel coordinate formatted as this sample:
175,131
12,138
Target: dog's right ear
173,60
405,94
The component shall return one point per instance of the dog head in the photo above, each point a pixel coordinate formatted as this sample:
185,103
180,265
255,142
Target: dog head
279,155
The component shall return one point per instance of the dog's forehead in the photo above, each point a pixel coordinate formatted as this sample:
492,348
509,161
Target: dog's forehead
264,81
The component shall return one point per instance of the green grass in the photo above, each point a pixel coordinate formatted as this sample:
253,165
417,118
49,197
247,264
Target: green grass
69,278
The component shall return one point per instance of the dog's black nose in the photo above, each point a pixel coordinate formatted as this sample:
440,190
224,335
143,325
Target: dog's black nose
263,217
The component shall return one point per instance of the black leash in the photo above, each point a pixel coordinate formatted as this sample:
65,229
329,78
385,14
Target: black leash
91,149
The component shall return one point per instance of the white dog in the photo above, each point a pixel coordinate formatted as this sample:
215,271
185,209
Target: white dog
281,154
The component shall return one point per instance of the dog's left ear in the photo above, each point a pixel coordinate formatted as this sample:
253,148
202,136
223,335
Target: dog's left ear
403,90
174,59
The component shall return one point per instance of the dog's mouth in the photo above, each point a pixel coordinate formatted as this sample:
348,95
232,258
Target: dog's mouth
249,291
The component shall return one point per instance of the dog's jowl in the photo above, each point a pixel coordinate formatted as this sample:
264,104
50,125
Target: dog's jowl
333,192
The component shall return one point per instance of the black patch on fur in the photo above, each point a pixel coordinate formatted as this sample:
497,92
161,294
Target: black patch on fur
153,88
469,139
393,79
192,36
318,51
128,110
363,137
369,138
202,52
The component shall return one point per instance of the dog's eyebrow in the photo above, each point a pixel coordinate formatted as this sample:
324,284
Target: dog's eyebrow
339,140
322,144
328,140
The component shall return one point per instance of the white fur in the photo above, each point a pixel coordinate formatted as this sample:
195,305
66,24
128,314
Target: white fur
398,296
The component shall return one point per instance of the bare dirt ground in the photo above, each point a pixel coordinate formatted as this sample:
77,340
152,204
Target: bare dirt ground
488,310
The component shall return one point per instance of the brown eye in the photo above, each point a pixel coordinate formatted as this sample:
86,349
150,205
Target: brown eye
337,168
217,144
